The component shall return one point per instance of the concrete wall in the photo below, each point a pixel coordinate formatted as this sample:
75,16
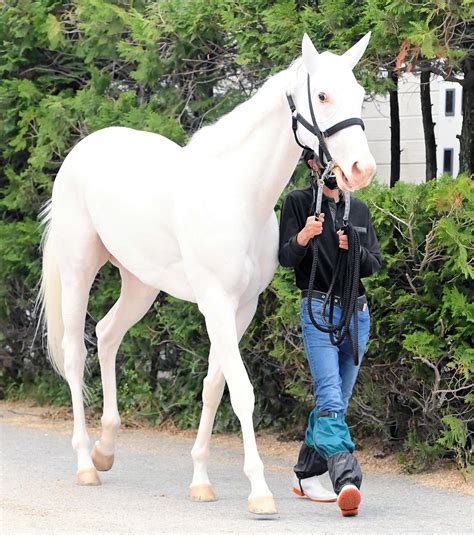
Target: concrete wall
376,115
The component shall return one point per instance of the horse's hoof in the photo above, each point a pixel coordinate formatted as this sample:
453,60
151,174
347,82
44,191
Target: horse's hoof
101,461
262,505
87,477
202,493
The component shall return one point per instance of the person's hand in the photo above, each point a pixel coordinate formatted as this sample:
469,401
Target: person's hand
343,243
313,227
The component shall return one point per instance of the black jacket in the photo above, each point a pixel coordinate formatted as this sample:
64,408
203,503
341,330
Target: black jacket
296,209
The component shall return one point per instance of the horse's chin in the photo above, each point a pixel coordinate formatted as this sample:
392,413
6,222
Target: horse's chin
342,181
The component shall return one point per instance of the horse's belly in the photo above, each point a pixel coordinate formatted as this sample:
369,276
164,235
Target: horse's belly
152,255
172,280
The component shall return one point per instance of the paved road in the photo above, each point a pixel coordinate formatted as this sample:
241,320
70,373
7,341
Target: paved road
146,493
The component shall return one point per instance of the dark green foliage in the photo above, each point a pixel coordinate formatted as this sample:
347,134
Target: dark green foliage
68,69
418,378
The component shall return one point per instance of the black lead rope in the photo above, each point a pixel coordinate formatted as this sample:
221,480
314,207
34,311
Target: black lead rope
346,272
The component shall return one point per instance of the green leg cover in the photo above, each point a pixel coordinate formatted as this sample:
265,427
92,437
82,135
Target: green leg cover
328,435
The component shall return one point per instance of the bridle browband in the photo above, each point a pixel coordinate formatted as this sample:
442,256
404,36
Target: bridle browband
314,128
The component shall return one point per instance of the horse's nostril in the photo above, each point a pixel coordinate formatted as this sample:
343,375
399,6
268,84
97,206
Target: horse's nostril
357,170
362,170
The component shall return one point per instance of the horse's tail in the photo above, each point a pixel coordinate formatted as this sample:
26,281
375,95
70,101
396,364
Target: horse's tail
49,298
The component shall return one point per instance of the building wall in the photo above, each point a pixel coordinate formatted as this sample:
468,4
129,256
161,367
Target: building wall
376,116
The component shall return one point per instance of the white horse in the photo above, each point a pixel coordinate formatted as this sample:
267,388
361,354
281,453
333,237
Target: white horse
196,222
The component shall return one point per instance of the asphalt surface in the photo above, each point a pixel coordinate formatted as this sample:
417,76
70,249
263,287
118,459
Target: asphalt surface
146,492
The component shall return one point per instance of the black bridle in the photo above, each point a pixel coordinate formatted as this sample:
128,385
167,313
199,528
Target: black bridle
347,263
314,128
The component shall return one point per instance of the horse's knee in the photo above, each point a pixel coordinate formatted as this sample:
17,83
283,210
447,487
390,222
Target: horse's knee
101,326
242,398
213,385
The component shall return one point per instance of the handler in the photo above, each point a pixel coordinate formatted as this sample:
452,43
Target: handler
328,445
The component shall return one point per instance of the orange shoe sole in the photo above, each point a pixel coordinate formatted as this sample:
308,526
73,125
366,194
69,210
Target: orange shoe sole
299,493
349,501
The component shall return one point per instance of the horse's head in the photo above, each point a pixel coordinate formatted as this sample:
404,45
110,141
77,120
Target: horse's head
336,96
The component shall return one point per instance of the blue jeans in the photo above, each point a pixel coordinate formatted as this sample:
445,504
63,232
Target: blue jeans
334,375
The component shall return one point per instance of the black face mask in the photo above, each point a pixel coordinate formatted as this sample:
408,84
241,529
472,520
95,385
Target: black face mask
331,181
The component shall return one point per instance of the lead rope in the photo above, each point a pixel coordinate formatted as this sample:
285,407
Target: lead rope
346,271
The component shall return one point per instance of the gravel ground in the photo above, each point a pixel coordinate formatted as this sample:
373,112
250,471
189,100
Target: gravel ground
146,491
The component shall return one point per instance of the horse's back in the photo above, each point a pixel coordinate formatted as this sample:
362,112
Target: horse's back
112,157
115,148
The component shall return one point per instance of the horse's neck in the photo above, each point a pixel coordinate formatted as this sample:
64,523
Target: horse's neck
264,159
268,158
253,146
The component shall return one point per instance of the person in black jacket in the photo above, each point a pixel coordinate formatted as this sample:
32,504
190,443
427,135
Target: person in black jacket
328,445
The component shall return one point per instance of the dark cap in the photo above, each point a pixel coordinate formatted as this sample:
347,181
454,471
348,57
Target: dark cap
308,154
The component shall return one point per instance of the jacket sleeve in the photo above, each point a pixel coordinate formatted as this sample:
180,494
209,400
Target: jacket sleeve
370,255
290,253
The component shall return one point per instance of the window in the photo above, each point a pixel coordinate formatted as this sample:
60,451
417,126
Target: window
448,161
449,102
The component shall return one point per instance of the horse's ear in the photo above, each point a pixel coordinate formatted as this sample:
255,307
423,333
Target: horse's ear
310,54
353,55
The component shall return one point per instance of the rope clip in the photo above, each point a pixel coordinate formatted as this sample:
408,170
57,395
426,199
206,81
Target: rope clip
320,181
329,167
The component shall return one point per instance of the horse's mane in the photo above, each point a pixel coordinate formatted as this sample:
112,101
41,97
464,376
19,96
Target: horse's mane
231,129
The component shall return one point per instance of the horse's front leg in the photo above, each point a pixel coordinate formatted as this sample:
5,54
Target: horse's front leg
220,312
213,388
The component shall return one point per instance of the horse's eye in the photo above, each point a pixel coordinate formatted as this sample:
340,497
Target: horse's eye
322,97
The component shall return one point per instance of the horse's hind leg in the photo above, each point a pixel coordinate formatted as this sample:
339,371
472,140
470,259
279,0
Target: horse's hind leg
213,388
79,260
134,301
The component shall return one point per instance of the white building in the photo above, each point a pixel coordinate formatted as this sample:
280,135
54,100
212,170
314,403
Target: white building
446,99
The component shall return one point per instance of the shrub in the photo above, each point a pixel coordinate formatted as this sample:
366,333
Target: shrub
417,381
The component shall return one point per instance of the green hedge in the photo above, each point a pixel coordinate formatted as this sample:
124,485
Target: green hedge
415,386
417,382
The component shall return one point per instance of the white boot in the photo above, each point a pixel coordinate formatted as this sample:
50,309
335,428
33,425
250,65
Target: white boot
313,489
